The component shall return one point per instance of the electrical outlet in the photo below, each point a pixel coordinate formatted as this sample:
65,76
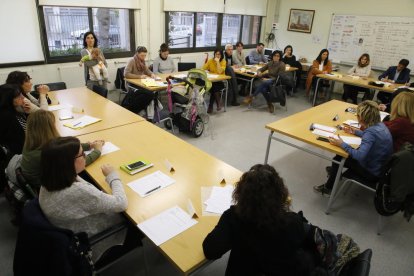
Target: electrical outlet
275,26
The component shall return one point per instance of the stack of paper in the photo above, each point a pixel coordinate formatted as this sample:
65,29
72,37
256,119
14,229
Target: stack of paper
180,76
151,183
383,115
107,148
220,199
58,107
352,123
166,225
82,122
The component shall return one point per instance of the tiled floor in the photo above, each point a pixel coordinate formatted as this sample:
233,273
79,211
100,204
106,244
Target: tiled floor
239,138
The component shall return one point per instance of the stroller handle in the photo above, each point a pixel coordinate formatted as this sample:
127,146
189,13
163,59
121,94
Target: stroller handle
169,78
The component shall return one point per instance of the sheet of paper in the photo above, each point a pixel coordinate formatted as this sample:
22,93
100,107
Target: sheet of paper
212,76
82,122
383,115
107,148
351,140
352,123
220,199
151,183
180,76
322,133
324,128
166,225
58,107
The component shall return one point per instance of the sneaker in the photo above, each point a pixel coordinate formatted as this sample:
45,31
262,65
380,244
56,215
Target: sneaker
321,189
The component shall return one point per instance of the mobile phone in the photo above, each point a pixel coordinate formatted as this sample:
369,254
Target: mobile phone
322,139
65,117
135,165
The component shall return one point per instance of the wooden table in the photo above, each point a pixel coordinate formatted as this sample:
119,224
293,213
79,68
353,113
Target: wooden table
193,169
94,105
139,83
346,79
297,126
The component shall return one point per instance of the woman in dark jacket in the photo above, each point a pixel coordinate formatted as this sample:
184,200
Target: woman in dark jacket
290,59
264,236
12,122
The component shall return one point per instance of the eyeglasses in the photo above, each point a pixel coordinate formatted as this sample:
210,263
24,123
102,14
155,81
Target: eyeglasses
81,155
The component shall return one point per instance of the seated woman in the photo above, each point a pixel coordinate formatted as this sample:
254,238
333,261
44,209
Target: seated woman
401,123
216,65
290,59
41,128
163,63
374,151
274,68
137,69
24,82
321,65
70,202
263,236
362,69
12,118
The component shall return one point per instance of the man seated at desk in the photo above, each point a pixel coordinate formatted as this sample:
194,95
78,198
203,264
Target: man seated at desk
230,63
256,56
394,74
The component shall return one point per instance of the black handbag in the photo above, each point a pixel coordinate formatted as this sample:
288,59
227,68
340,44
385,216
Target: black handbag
278,94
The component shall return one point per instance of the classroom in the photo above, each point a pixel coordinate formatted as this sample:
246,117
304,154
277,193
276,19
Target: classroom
181,171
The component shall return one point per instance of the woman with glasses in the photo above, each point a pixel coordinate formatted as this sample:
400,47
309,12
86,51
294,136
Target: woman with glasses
24,82
41,128
215,65
12,118
70,202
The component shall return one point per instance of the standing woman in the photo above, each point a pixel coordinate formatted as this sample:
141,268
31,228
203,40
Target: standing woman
90,41
24,82
12,120
216,65
362,69
321,65
290,59
163,63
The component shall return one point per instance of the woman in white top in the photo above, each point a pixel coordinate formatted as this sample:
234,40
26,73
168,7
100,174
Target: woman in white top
239,58
163,63
362,69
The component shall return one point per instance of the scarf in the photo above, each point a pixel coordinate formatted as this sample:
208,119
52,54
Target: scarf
139,64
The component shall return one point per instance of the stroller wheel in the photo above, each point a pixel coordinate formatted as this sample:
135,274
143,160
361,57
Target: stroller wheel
198,128
168,125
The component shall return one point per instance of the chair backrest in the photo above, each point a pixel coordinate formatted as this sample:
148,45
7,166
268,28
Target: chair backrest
151,67
185,66
53,86
100,90
247,60
43,249
358,266
120,80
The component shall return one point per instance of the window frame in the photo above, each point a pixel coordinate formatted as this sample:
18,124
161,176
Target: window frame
195,49
63,59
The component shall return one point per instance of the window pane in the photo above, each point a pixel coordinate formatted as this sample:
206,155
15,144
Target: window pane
250,32
180,29
230,29
111,26
206,29
64,29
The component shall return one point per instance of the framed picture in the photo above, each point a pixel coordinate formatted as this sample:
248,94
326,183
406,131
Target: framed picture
301,20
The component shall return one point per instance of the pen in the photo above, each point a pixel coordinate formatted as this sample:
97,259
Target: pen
77,124
150,191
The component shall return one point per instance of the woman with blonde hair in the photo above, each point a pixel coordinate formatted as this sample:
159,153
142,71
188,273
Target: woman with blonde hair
41,128
401,124
374,151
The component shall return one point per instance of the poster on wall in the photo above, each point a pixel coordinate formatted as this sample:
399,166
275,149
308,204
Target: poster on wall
301,20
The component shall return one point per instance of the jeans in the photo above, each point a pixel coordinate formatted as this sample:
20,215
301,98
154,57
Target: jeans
264,88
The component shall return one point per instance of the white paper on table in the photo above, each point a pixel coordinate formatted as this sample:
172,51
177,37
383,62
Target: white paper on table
180,76
107,148
160,83
352,123
166,225
211,76
58,107
82,122
151,183
324,128
322,133
351,140
220,199
383,115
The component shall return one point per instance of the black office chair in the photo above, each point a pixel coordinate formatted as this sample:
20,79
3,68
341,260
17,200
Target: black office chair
358,266
100,90
247,60
185,66
53,86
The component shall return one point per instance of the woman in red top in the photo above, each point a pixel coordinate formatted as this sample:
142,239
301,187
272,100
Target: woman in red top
401,124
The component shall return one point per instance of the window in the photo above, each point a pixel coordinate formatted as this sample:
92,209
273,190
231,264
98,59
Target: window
64,28
194,32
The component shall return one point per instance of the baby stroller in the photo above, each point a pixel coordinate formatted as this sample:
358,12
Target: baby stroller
186,102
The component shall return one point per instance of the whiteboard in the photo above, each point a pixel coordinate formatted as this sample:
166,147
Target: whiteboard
385,39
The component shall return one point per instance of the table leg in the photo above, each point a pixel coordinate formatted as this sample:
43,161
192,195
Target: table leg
336,184
250,91
227,92
269,140
316,92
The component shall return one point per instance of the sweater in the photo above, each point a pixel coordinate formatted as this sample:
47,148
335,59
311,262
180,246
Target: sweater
239,59
12,133
375,149
258,251
274,68
256,57
31,163
314,70
133,69
90,63
360,71
163,66
402,130
211,66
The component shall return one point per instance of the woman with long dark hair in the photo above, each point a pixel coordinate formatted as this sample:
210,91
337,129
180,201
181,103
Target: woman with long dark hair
90,41
321,65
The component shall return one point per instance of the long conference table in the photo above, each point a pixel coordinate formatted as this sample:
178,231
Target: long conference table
138,138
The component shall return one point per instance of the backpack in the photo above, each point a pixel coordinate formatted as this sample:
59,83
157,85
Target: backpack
278,94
